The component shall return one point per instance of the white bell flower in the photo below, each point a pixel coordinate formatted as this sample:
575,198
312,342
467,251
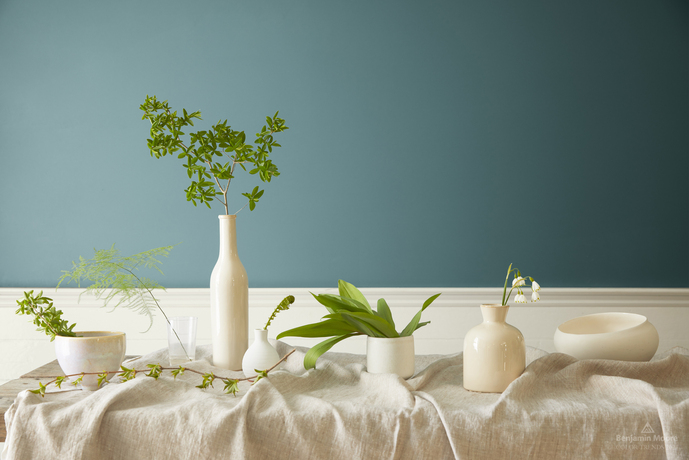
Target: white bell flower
520,298
518,281
535,297
535,286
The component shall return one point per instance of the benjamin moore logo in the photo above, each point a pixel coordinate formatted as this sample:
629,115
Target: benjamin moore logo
647,428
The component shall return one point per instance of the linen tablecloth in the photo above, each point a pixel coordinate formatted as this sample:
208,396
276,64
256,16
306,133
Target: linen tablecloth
559,408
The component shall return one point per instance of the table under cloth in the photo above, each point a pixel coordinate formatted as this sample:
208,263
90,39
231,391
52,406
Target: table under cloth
559,408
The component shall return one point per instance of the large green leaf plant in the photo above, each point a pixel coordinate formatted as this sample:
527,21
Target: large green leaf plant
350,315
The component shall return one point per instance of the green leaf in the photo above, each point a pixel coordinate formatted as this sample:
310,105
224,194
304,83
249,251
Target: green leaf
102,377
420,325
60,380
231,386
412,326
317,350
40,391
350,291
176,372
260,374
334,303
379,324
385,313
327,328
361,326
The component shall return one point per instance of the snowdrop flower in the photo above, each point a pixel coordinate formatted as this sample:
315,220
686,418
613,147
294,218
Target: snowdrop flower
535,286
518,281
534,296
520,298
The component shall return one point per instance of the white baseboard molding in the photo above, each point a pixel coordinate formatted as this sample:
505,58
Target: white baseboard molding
451,315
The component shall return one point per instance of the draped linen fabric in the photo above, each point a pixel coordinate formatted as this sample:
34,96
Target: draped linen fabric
559,408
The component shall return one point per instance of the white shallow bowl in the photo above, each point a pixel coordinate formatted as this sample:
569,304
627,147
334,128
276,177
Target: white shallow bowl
91,351
615,335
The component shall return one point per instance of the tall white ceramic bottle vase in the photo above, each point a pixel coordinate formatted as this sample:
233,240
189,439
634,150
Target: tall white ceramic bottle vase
229,301
261,355
494,352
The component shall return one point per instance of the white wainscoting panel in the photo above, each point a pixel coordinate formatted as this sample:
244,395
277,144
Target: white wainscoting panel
452,315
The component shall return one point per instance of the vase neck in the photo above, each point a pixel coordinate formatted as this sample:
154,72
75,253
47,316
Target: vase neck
261,335
494,313
228,236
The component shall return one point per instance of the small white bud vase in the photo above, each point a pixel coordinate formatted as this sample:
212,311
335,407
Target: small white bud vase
494,352
390,356
261,355
229,300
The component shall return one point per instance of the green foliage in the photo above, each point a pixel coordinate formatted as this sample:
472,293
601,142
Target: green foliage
102,377
208,379
282,306
211,156
231,386
40,390
350,314
113,277
260,375
176,372
46,317
155,370
127,374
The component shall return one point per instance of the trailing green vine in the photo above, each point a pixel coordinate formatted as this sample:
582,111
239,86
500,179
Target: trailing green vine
231,386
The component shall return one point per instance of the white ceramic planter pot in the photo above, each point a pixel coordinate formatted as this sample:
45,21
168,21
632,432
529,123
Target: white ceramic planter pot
494,352
615,335
390,356
92,351
261,355
229,301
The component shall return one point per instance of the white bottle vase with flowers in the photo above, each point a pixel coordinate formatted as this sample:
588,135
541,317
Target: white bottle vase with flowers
494,351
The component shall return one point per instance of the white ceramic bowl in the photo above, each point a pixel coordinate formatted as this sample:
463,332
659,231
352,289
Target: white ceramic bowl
615,335
92,351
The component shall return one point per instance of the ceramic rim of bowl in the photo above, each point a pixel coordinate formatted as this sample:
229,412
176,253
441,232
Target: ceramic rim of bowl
613,313
408,337
92,335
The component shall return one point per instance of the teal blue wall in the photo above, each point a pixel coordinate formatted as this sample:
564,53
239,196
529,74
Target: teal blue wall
431,143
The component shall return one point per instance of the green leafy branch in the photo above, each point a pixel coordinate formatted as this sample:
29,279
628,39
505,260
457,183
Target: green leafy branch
46,316
282,306
204,147
155,371
350,315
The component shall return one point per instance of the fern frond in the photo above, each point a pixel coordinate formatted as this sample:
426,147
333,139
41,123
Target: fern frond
114,281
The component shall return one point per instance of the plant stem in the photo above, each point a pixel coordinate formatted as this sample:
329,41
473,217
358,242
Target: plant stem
158,305
247,204
40,315
504,289
169,369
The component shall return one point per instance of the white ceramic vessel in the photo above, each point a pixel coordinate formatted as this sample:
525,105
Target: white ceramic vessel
261,355
613,335
229,301
390,355
494,352
91,351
